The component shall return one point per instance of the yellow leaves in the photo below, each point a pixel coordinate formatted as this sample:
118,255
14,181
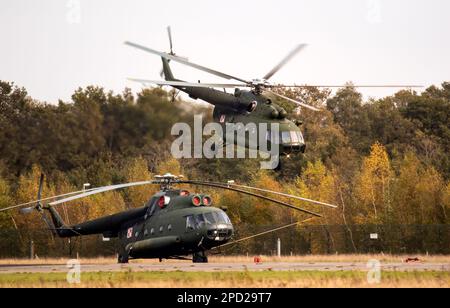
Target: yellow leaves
428,191
135,171
101,205
4,194
170,166
318,183
5,201
378,164
372,187
446,202
264,211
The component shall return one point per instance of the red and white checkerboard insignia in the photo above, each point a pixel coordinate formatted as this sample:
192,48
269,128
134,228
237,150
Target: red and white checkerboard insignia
130,233
222,118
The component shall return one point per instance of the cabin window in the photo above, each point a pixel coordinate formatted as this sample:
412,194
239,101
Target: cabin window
169,227
190,223
146,232
161,229
152,231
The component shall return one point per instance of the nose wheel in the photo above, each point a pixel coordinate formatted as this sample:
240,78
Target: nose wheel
200,257
123,258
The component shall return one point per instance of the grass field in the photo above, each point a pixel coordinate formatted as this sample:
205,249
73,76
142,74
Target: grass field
249,259
229,279
242,279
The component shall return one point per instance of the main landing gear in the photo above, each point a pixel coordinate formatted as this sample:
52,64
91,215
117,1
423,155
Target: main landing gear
123,259
200,257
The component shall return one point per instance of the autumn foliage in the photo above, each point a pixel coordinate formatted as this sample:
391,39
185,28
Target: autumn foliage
383,162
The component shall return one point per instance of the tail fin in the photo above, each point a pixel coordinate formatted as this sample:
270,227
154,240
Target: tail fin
58,222
167,71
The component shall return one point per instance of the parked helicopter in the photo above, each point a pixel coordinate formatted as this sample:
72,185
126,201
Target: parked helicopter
173,224
257,105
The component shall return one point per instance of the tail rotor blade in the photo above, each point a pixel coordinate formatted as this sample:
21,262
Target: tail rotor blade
169,32
27,210
41,184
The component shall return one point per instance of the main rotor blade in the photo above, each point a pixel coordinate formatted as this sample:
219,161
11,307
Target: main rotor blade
344,86
182,61
102,190
188,84
284,195
294,101
288,58
45,199
265,233
224,186
169,32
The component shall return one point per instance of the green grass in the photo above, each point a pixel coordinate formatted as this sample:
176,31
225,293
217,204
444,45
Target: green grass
228,279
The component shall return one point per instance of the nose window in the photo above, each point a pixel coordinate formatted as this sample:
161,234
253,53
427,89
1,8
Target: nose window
291,137
222,218
209,218
286,137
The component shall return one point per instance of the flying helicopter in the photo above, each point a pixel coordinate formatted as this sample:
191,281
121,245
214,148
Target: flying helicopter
173,224
259,104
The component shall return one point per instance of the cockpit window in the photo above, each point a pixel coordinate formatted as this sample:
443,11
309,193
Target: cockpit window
286,137
300,137
222,218
209,218
291,137
218,218
295,136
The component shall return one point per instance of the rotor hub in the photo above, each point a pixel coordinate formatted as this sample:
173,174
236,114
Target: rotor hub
166,181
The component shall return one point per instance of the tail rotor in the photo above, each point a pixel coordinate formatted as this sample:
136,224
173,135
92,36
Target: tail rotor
39,206
172,53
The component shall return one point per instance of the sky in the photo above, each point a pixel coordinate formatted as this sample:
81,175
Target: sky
52,47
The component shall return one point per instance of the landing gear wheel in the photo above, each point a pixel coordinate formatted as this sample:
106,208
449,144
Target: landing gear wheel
123,259
200,257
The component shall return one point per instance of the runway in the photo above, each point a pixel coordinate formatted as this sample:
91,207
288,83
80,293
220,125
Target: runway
222,267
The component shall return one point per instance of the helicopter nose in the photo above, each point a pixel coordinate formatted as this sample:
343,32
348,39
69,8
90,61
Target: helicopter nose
219,233
294,148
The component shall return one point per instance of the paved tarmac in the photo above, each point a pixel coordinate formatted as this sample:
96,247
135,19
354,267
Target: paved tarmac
222,267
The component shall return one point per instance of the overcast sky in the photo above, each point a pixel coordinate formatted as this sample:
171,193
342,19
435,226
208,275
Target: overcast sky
52,47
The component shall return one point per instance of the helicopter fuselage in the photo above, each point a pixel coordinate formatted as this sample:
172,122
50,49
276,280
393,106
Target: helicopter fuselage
247,107
170,225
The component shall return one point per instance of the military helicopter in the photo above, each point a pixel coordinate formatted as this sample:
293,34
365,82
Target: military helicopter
257,105
173,224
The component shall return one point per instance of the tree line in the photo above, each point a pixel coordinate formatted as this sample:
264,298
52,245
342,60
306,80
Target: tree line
382,161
